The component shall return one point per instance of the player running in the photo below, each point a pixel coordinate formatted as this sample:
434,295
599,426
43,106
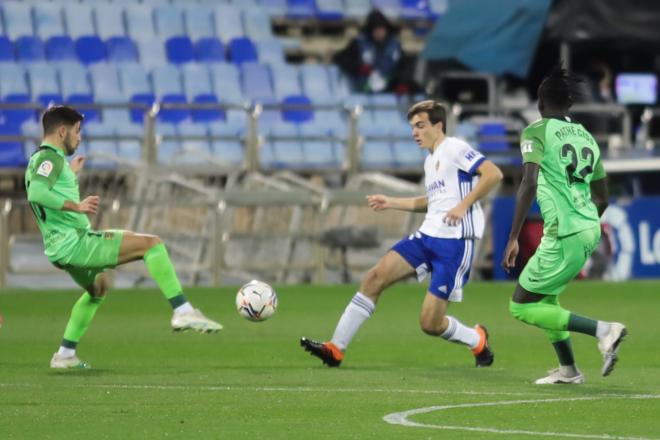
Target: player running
456,178
71,245
562,168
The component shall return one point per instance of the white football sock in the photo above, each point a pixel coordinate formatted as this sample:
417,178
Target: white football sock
186,307
458,332
66,352
602,328
356,313
569,370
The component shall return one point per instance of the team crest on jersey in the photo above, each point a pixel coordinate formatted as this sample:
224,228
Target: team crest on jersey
45,168
526,146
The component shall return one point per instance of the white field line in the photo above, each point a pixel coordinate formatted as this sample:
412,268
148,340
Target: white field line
401,418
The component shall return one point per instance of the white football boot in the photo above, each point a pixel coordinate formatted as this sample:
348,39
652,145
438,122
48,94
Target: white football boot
65,362
609,346
194,320
557,377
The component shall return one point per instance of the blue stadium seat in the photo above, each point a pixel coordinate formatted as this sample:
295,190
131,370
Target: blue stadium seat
14,89
60,48
179,50
136,88
105,83
139,22
29,49
339,82
48,20
169,146
408,155
6,50
198,20
121,49
332,121
198,89
152,52
109,20
18,19
197,150
319,153
301,111
285,80
415,9
242,50
12,154
169,21
227,83
129,141
79,20
376,150
358,8
301,9
391,8
102,150
256,82
287,148
257,24
329,10
271,51
209,50
316,83
492,137
76,89
227,146
90,49
275,8
167,87
43,84
228,23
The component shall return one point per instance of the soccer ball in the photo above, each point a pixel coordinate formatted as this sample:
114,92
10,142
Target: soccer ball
256,301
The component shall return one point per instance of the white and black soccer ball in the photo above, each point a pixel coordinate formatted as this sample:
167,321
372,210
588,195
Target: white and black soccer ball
256,301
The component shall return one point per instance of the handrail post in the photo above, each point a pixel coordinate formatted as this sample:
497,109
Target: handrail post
218,243
149,150
4,242
252,138
353,147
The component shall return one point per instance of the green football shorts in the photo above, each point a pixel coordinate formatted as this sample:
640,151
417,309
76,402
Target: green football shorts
557,261
94,252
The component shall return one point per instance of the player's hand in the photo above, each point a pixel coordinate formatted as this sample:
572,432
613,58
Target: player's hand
77,163
455,215
378,202
89,205
510,255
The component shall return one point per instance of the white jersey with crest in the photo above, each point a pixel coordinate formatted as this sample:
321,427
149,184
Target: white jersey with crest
450,173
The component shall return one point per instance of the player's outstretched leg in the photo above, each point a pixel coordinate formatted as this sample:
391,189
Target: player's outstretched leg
326,351
608,344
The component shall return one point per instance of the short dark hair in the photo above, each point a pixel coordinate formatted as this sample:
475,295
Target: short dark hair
433,109
60,115
560,89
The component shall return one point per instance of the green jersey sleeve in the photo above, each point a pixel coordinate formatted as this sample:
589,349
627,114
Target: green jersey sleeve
599,171
531,143
48,167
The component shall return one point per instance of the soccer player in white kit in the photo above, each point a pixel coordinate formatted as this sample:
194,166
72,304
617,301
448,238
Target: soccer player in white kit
456,178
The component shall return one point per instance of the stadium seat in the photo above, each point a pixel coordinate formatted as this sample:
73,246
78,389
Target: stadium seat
357,9
275,8
14,89
391,8
329,10
136,88
121,49
316,84
109,20
257,24
60,48
139,22
256,82
376,150
209,50
169,21
79,20
332,121
415,9
129,141
105,83
271,51
287,148
179,50
301,9
198,89
285,80
295,114
492,137
226,144
48,20
152,52
319,153
198,21
195,144
339,82
29,49
228,23
242,50
168,89
43,84
407,155
101,145
76,89
18,19
227,83
90,49
6,50
12,154
168,146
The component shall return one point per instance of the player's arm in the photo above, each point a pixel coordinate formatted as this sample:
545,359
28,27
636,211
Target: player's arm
40,193
489,177
599,192
379,202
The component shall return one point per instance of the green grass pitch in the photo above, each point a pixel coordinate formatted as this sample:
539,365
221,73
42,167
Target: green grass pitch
253,381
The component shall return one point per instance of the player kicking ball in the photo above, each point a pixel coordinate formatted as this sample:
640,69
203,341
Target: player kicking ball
456,178
71,245
562,168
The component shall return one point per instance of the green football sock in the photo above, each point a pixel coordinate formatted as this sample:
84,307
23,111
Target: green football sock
564,352
81,315
546,314
580,324
162,271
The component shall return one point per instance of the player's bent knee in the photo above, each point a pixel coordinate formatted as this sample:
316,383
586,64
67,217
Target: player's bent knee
100,286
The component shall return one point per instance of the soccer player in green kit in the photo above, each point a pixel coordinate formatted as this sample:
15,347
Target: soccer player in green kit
71,245
562,168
